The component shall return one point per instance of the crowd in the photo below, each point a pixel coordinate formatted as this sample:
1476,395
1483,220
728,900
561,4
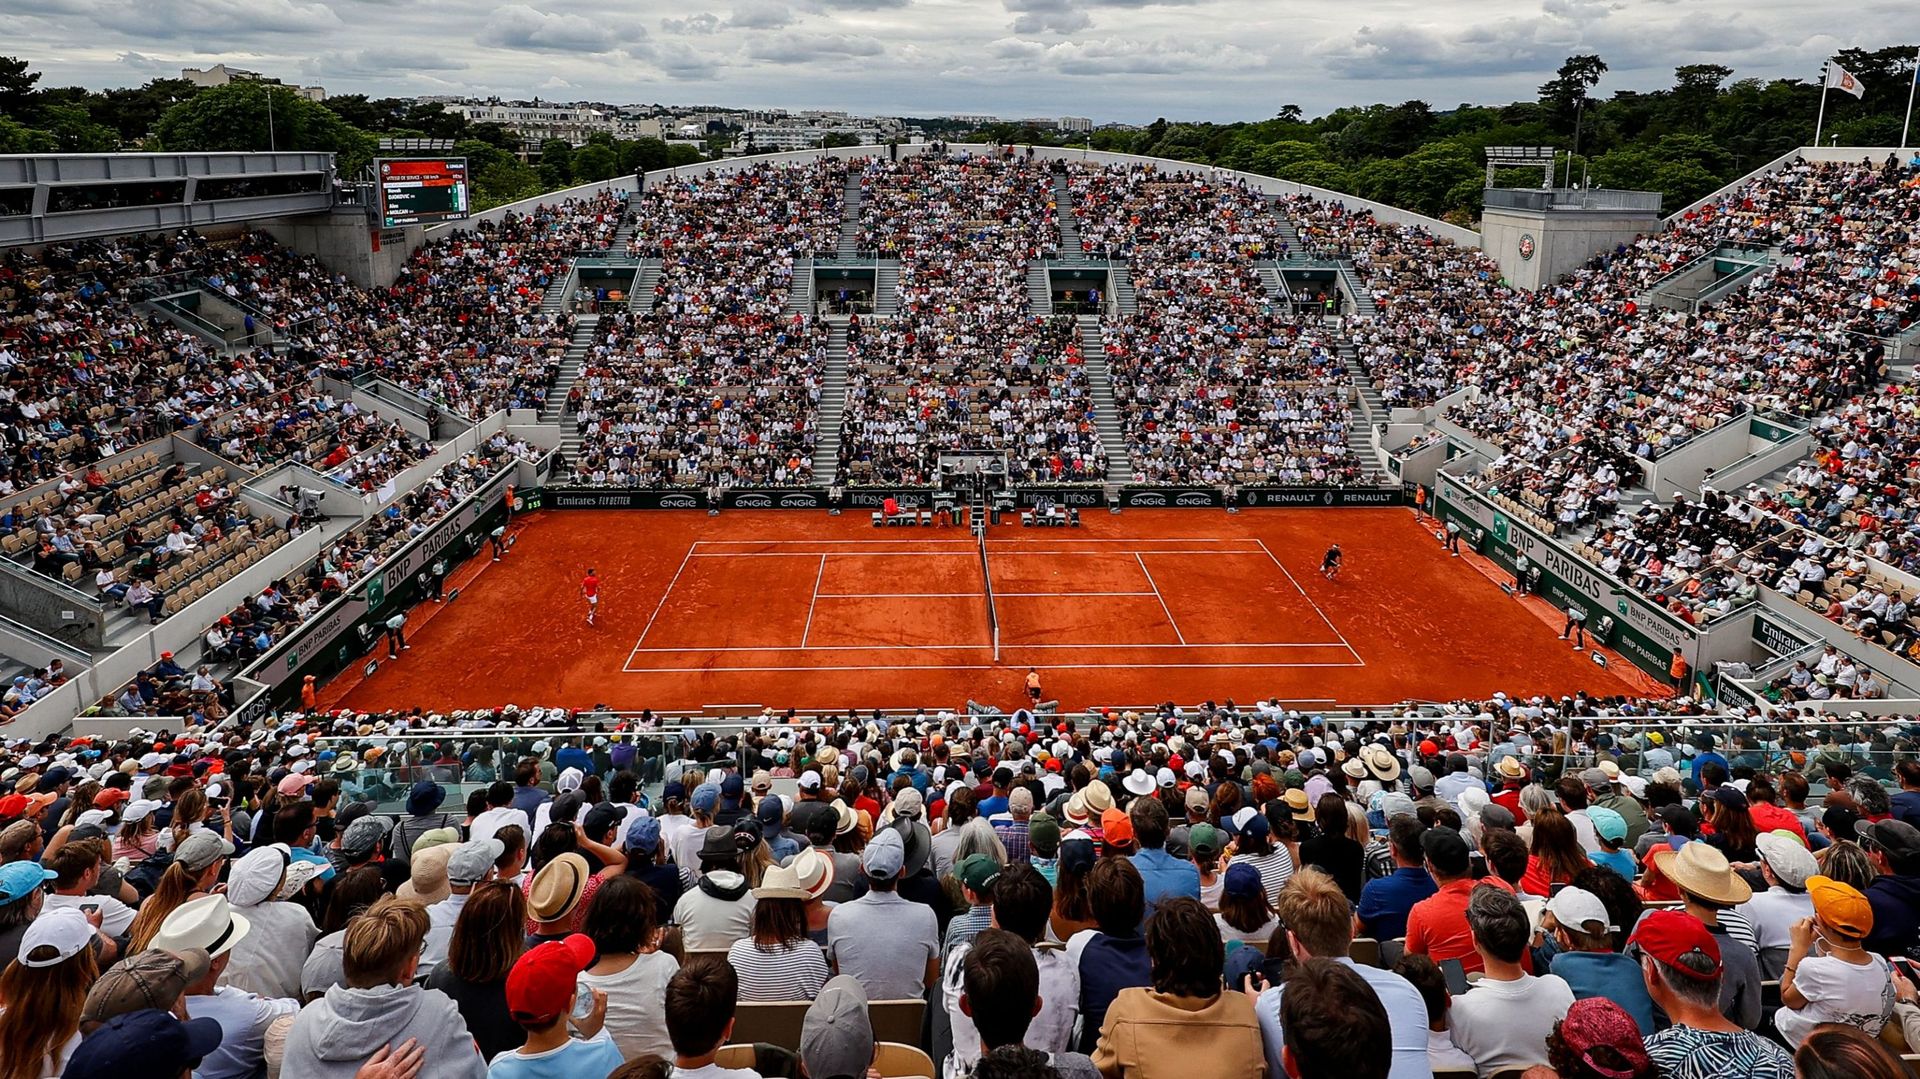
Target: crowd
1217,381
1581,887
965,364
716,384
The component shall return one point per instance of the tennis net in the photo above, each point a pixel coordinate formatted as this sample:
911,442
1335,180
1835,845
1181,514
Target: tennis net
993,616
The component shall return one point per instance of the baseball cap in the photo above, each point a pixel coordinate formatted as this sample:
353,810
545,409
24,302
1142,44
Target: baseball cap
602,816
1609,824
1840,905
1897,839
542,982
1204,838
1043,835
1197,797
295,784
705,797
836,1037
1788,858
146,1042
644,835
1242,879
154,978
809,781
1577,909
1446,850
885,855
21,879
364,834
64,929
977,872
1117,827
1667,935
472,861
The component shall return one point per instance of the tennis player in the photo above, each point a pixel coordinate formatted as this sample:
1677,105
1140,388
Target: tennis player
590,588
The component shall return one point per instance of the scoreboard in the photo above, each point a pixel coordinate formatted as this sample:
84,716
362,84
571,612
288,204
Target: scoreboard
422,191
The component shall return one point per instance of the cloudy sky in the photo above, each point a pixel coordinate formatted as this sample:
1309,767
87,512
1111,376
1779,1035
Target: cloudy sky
1126,60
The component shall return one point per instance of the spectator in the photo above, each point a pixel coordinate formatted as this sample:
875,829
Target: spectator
836,1038
700,1003
1843,983
1423,975
1334,1025
42,993
778,961
1894,847
1245,915
1145,1027
1437,926
1333,851
886,941
1785,866
629,967
1598,1040
1021,904
488,938
1504,1020
1842,1052
1581,928
379,1007
1255,846
1680,960
1000,991
1161,874
145,1042
1113,956
541,993
1386,901
470,865
268,959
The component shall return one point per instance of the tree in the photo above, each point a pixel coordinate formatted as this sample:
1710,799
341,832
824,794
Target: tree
643,155
556,163
16,87
237,117
74,132
593,163
134,111
682,154
838,138
1565,96
18,138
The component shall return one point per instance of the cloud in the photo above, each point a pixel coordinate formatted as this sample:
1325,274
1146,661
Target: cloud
210,22
1047,16
760,15
517,26
706,22
807,48
380,60
678,61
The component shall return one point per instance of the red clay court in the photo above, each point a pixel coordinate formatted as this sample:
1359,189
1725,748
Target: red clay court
821,613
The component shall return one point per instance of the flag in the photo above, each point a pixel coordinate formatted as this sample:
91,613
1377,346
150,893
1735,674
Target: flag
1839,78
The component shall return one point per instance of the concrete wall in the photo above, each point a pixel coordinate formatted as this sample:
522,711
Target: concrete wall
1685,468
1900,673
1763,459
346,241
55,607
1563,240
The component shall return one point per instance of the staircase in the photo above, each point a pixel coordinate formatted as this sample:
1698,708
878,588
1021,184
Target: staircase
1285,233
554,411
849,245
1106,409
1274,283
618,246
641,297
1068,221
1039,289
886,287
833,404
800,291
1370,399
1121,278
1356,290
555,298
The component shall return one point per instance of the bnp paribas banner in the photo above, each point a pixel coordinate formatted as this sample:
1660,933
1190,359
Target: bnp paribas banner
1642,631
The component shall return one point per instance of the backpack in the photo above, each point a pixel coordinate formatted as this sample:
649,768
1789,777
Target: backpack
145,877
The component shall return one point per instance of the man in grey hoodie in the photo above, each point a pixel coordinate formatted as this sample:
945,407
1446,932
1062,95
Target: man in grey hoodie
379,1005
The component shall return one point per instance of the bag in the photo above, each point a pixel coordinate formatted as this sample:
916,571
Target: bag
145,877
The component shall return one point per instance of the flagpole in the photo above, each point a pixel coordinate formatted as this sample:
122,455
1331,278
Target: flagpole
1822,119
1911,86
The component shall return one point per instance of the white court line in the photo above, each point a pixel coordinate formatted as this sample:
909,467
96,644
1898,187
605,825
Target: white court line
1181,637
1121,554
1056,595
663,600
901,595
968,646
982,667
847,554
816,599
1310,602
968,542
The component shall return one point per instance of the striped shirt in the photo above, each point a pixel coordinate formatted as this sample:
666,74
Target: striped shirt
793,971
1276,870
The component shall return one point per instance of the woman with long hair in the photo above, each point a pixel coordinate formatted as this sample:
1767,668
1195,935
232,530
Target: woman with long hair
178,884
1255,847
630,967
1555,857
778,961
1071,910
1733,829
487,940
138,839
1334,850
189,816
1226,802
40,1005
1245,914
1844,1052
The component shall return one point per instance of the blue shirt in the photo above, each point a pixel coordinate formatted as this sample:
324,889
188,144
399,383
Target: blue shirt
1166,877
1406,1022
528,799
1610,975
595,1056
1617,860
993,806
1702,760
574,757
1384,903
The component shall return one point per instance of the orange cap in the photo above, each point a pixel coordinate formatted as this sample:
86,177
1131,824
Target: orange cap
1840,906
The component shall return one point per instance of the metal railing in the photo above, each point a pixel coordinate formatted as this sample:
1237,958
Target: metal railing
1570,198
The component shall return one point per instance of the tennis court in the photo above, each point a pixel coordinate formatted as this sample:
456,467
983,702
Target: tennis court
802,610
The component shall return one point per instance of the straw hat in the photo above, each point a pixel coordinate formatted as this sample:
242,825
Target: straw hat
814,870
1298,803
781,882
1511,768
1098,798
1382,763
557,888
1701,870
427,880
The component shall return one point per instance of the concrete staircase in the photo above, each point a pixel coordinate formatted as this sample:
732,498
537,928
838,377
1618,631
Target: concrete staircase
1362,305
1068,221
641,298
886,287
1121,278
555,298
849,244
1039,290
833,403
1275,284
628,226
1369,409
1106,408
800,291
554,410
1376,406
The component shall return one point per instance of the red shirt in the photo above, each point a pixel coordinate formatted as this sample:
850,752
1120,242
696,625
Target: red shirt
1437,925
590,585
1768,818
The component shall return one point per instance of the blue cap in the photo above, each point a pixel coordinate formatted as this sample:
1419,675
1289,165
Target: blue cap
425,797
771,812
644,836
146,1042
1242,879
675,789
732,785
21,879
706,797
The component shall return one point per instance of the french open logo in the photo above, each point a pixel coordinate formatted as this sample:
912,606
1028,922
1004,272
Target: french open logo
1526,245
1147,500
753,502
678,502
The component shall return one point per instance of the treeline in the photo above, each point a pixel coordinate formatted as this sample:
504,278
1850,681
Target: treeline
1685,140
175,115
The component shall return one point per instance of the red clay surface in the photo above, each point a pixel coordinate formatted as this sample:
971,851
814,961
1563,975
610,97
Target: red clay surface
819,613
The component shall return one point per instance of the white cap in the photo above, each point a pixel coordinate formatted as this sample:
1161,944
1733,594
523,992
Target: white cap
1576,908
138,809
810,781
64,929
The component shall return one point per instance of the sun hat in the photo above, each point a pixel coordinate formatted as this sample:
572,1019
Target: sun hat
1139,783
1841,906
208,923
1098,798
1701,870
1299,805
1511,768
780,882
543,981
558,888
1381,763
814,870
426,881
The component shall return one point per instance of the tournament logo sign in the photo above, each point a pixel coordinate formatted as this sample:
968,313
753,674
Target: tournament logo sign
1526,245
